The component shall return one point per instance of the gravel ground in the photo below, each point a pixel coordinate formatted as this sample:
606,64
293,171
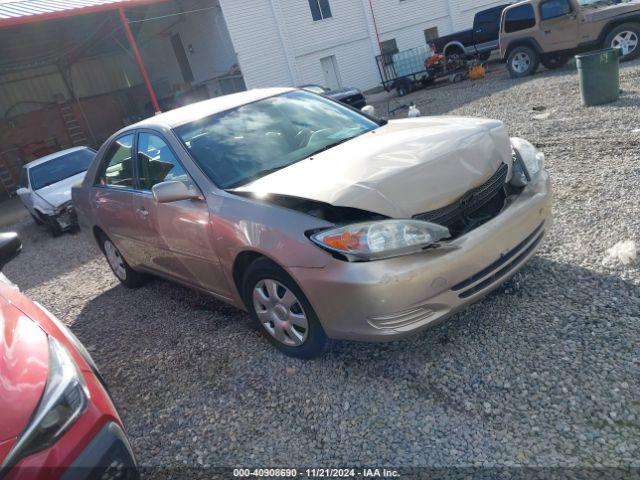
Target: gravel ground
544,372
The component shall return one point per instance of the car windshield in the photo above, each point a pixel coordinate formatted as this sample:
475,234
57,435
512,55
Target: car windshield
59,168
240,145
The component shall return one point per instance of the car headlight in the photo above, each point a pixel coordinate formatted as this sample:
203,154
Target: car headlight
528,162
381,239
64,399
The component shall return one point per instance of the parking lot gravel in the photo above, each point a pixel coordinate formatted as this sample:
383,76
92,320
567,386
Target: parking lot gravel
543,373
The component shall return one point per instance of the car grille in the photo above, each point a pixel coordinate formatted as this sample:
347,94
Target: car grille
501,267
474,208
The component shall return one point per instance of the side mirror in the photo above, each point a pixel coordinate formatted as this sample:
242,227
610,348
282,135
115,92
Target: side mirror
166,192
22,191
10,247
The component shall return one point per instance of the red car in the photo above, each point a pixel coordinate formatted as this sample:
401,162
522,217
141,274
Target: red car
56,417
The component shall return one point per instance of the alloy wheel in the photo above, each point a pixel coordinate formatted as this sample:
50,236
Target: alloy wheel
626,41
280,313
521,62
115,260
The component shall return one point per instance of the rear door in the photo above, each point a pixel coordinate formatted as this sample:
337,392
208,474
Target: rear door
558,24
176,237
111,196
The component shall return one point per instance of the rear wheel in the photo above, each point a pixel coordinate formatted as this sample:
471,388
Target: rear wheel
121,269
281,310
522,61
555,61
626,38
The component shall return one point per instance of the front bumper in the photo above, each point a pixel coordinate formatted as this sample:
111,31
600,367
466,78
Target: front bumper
391,299
65,217
107,456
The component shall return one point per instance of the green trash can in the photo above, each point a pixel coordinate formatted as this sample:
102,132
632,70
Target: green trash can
599,76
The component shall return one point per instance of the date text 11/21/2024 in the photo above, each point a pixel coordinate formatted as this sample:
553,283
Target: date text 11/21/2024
316,473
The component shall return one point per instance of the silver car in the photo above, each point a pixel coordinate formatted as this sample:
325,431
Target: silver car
319,221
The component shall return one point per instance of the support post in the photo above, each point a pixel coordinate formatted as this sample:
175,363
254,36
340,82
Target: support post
136,53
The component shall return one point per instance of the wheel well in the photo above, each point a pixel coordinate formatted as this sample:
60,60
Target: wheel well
615,24
240,265
523,43
449,49
97,234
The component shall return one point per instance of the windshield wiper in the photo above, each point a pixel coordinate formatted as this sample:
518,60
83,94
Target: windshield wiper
331,145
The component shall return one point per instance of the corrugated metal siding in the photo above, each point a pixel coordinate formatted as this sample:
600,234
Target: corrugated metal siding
43,85
27,8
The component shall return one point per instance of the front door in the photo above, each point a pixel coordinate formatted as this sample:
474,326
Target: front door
330,72
558,25
176,237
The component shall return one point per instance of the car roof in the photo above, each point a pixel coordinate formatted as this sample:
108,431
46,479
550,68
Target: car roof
53,156
198,110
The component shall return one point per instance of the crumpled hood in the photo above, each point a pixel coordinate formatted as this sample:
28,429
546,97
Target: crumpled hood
594,13
404,168
24,366
59,193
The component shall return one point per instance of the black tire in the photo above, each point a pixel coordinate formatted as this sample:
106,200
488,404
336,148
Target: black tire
54,227
404,86
522,61
127,276
633,31
555,61
315,341
36,220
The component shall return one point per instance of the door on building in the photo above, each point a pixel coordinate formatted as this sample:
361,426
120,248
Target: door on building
181,57
330,72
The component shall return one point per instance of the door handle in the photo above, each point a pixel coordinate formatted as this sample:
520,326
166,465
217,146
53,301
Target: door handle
143,212
547,31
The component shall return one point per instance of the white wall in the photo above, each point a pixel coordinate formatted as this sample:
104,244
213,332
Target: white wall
287,48
257,42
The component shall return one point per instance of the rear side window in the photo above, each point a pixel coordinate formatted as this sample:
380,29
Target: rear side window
554,8
117,167
519,18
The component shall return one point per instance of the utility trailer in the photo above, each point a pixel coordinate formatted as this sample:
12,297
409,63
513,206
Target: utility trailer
418,67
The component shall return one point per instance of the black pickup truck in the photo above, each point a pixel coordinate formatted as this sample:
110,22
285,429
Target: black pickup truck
479,41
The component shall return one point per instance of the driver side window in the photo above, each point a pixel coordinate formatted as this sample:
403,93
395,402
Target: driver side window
554,9
156,162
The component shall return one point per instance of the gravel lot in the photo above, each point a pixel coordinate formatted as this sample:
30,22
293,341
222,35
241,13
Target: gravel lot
544,372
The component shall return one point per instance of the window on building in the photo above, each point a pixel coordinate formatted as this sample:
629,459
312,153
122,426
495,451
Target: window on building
554,8
389,47
430,34
320,9
519,18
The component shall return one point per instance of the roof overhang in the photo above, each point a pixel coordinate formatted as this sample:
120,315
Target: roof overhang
31,11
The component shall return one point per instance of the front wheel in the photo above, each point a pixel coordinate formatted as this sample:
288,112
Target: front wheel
522,61
281,310
556,61
121,269
626,38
